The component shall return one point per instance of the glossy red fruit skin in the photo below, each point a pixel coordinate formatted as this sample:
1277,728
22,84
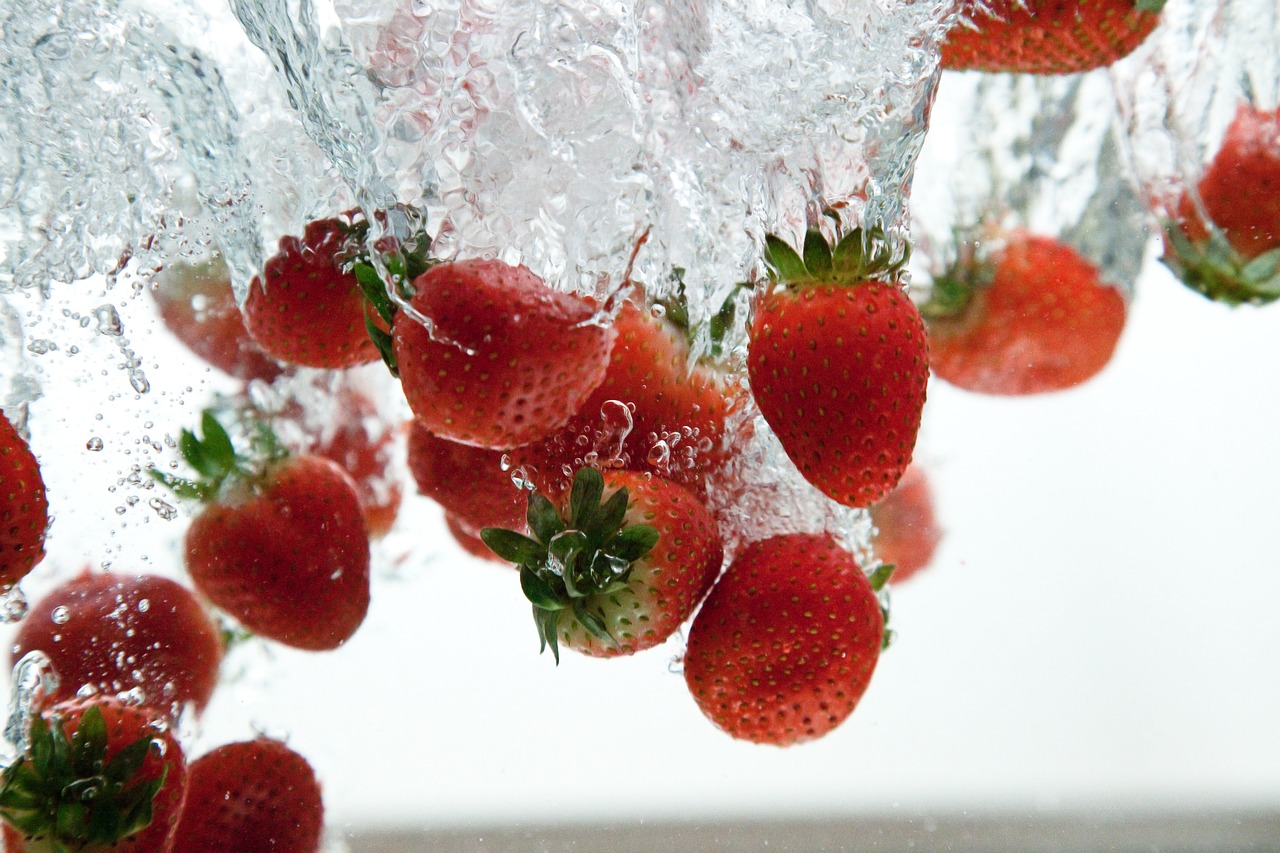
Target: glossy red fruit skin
24,507
666,584
306,308
649,373
1045,36
839,372
467,481
290,563
519,360
364,446
199,307
1046,322
255,796
908,529
118,632
468,539
126,724
786,643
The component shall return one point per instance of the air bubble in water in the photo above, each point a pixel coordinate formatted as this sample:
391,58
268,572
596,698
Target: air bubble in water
33,678
165,510
13,606
108,320
60,615
659,455
94,444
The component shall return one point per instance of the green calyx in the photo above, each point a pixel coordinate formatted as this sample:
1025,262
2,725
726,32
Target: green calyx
861,255
213,457
66,791
403,263
879,580
1149,5
1216,270
570,560
675,308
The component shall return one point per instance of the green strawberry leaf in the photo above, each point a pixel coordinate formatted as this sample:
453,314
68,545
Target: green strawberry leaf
513,547
1149,5
383,343
634,541
783,260
584,497
41,747
593,623
375,291
540,593
609,517
182,487
89,743
880,577
817,254
547,622
216,445
544,519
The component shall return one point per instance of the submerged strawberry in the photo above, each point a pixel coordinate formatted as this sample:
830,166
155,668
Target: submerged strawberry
1047,36
281,544
24,507
838,361
618,567
787,641
508,359
907,530
1035,318
1234,255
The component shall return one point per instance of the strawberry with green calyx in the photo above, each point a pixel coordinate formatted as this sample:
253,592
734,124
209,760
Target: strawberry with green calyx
1228,247
281,544
838,361
618,567
1046,36
786,643
96,775
1032,317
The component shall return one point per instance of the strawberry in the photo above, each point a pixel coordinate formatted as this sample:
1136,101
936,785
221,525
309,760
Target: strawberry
256,796
619,567
281,545
470,541
24,507
1034,318
1234,256
838,362
508,360
307,306
116,632
469,482
1046,36
786,643
96,775
674,418
197,304
908,534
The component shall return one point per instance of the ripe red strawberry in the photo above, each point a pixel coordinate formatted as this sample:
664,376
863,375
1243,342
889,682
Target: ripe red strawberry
307,307
1235,256
673,424
511,361
118,632
255,796
281,546
838,362
97,775
908,533
197,304
786,643
470,541
1047,36
619,567
24,507
1035,318
467,481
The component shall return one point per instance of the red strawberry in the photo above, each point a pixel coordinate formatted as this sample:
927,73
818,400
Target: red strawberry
786,643
619,567
255,796
1047,36
674,418
1235,256
307,307
281,546
838,362
1033,319
97,775
908,533
24,508
467,481
469,540
511,360
197,304
119,632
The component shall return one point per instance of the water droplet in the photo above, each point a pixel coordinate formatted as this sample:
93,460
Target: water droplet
40,346
139,381
144,605
13,606
60,615
659,454
108,320
165,510
94,444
